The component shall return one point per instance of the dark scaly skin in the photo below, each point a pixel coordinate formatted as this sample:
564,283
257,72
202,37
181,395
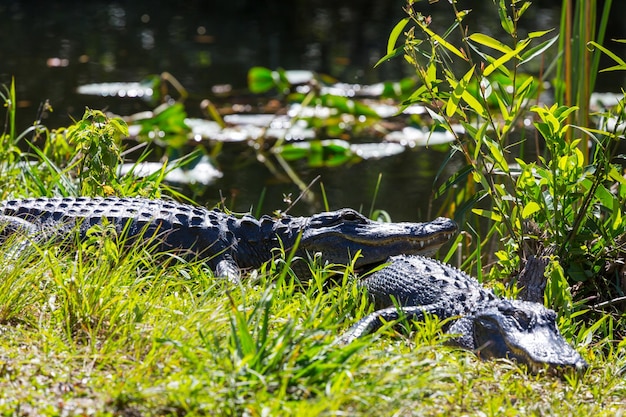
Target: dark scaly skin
491,326
228,243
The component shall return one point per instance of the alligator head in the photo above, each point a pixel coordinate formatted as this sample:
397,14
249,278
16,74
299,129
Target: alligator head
523,331
341,234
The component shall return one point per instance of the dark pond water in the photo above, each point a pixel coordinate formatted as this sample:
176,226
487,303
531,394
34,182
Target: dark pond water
53,47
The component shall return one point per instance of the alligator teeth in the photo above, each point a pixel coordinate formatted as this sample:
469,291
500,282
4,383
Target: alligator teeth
421,243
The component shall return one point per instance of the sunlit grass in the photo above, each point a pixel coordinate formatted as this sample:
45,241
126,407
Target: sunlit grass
86,333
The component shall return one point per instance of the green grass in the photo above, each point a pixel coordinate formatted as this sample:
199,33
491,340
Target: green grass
89,333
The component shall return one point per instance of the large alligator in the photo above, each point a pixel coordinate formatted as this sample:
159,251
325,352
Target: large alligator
493,327
228,243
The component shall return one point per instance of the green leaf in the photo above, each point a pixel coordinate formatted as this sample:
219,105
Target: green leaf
523,9
503,103
470,203
454,179
496,153
563,112
398,51
260,79
292,151
488,214
120,126
526,84
605,196
618,219
537,50
479,137
395,34
430,77
506,57
345,105
505,20
460,87
489,42
418,96
474,104
530,209
614,68
441,41
620,61
539,34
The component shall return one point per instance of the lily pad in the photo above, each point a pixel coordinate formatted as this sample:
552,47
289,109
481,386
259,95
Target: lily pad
376,150
203,172
121,90
413,137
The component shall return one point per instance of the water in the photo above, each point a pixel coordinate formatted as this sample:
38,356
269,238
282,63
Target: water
54,46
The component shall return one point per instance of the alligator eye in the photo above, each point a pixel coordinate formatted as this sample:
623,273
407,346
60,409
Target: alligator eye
351,216
522,318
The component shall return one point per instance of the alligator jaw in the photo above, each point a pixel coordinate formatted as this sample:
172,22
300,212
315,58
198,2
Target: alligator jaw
338,241
554,359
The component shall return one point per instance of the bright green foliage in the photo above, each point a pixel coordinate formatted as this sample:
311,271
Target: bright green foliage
318,153
95,140
262,79
558,203
340,116
582,26
81,159
166,125
8,136
621,64
120,331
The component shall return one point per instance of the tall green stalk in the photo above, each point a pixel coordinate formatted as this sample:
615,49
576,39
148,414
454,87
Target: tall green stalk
8,96
578,67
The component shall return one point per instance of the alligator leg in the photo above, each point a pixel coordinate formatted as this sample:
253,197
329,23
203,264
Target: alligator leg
226,267
10,226
375,321
18,228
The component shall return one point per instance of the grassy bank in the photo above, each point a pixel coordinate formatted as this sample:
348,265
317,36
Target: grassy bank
90,333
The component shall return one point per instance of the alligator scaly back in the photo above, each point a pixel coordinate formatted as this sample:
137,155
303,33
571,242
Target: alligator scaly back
227,243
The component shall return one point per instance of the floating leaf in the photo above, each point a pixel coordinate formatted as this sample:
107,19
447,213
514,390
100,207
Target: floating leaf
332,152
260,79
346,105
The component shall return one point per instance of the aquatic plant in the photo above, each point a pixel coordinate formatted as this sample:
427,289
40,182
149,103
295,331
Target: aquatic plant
558,207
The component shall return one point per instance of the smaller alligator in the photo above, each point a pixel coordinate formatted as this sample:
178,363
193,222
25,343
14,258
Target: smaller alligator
482,322
227,243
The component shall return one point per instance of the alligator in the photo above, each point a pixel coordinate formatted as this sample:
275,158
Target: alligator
478,320
228,243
